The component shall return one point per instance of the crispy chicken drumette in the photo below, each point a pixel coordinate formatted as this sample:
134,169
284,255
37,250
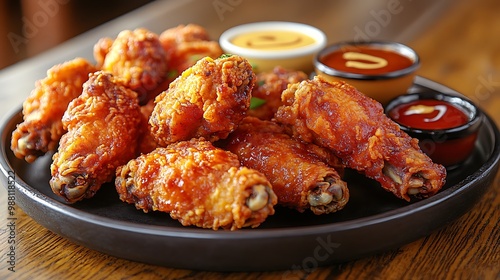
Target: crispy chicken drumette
302,174
355,128
138,58
42,127
185,45
197,184
103,128
208,100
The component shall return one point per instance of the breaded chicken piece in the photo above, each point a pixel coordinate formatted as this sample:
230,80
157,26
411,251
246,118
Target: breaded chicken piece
137,57
42,127
302,174
103,124
185,45
101,49
268,88
183,33
208,100
339,117
198,184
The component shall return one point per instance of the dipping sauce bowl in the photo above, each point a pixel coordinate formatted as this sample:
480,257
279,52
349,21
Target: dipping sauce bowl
275,43
380,70
445,124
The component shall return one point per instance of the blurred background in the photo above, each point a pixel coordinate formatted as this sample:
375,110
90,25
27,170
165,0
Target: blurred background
28,27
455,39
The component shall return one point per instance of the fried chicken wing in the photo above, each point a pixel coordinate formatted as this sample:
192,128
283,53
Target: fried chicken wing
102,124
137,57
101,49
208,100
42,128
269,86
355,128
185,45
198,184
298,171
183,33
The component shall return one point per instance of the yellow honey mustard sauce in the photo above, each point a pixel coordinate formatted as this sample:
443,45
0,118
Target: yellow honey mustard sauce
272,40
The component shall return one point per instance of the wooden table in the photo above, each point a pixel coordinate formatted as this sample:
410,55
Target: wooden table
462,51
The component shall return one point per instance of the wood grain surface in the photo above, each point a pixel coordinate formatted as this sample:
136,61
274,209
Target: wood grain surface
461,51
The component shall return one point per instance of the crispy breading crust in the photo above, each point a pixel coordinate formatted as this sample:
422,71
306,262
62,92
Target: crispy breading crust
355,128
137,57
42,127
198,184
208,100
186,44
103,127
299,172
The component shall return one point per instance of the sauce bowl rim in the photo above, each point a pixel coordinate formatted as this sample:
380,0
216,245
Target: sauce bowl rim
395,46
318,36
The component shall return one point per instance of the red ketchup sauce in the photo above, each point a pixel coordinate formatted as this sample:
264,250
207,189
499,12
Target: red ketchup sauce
366,60
429,114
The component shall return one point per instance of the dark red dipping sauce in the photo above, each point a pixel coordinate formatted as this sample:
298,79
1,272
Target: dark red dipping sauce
366,60
429,114
446,125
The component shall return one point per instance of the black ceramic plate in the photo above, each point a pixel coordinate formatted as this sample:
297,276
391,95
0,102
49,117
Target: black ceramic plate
373,221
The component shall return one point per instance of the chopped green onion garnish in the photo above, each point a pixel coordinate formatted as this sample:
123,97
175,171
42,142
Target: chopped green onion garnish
225,55
256,102
172,74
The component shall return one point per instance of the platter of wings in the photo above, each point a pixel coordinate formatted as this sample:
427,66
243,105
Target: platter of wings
167,151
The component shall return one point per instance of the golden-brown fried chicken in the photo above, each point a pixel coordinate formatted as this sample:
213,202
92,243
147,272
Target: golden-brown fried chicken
355,128
137,57
183,33
185,45
268,88
298,171
102,124
208,100
42,128
101,49
198,184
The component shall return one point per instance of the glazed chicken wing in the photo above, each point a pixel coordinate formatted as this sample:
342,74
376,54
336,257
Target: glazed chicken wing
137,57
198,184
298,171
355,128
42,128
208,100
185,45
269,86
102,124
